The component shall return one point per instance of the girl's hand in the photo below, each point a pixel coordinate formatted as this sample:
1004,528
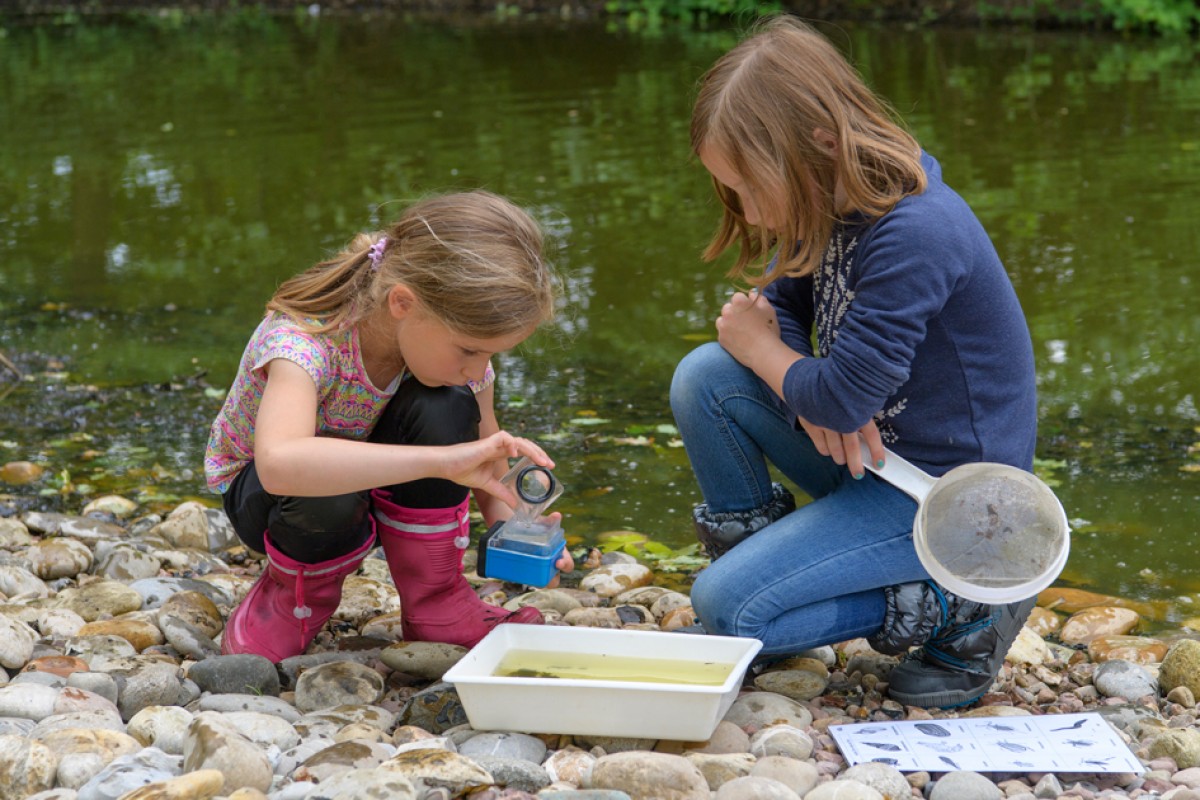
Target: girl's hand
747,321
565,563
844,448
473,464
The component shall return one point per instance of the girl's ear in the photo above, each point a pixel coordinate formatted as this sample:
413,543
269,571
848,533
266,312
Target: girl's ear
825,139
401,301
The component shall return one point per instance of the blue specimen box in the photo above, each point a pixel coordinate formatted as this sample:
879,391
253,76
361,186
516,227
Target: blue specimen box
521,551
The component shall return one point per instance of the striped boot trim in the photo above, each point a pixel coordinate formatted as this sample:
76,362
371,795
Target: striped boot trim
423,530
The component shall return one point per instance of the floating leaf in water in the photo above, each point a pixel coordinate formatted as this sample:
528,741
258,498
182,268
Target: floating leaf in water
658,550
590,421
633,441
619,540
675,443
666,429
1045,468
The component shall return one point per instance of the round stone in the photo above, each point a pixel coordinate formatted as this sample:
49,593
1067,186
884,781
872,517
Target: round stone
428,660
244,673
338,683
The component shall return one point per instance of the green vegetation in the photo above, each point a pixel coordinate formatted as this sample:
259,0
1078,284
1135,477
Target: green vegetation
1164,17
1169,17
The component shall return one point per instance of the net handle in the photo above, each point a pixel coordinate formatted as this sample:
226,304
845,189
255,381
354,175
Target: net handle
905,476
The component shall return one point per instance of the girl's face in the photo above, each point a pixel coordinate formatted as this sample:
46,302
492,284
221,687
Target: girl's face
438,356
758,211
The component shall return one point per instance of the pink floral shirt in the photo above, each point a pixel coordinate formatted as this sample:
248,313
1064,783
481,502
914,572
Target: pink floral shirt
348,404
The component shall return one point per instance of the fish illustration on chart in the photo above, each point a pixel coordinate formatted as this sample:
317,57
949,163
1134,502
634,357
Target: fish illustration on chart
942,747
932,729
996,726
949,761
1014,747
885,760
891,748
1079,723
1098,762
867,730
1080,742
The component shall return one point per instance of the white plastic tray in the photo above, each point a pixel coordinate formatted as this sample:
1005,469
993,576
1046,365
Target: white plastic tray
598,707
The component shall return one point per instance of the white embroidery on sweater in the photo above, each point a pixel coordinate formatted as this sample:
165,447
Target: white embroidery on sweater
832,297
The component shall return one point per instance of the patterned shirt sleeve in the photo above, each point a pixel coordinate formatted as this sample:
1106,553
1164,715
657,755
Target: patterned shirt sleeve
489,377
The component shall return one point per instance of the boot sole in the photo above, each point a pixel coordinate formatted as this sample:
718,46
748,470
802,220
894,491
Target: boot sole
944,699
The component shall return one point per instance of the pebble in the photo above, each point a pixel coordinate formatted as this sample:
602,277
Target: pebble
243,673
112,687
964,785
214,743
428,660
1123,679
337,683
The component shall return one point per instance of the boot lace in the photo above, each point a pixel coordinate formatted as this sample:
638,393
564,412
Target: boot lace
950,632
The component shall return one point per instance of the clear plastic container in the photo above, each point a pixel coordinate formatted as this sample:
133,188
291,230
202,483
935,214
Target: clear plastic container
525,547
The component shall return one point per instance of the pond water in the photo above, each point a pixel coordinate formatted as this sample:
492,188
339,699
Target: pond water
158,180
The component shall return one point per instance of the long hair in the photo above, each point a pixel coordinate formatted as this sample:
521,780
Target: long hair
473,260
759,107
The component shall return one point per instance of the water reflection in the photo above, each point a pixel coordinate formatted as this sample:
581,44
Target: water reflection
157,183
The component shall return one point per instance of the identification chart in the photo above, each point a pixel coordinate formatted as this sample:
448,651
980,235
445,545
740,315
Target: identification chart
1050,743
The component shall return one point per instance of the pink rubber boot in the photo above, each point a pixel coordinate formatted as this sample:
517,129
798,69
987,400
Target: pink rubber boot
424,549
289,604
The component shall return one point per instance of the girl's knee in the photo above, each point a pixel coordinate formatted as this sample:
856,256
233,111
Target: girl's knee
324,515
695,372
429,415
714,606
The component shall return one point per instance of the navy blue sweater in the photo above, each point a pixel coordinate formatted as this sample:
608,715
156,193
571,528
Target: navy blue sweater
917,326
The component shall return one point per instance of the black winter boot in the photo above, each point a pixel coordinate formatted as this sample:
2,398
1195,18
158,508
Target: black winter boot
719,532
918,611
959,661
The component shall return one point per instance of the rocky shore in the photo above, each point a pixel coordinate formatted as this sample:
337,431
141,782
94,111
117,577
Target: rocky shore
112,688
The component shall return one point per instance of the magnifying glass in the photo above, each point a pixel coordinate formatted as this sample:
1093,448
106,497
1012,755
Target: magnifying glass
535,485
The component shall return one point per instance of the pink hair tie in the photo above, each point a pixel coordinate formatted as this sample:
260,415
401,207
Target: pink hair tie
375,254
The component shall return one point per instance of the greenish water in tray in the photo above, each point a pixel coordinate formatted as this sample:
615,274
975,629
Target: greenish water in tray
604,667
158,180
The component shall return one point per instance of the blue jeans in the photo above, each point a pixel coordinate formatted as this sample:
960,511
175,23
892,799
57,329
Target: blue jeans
816,576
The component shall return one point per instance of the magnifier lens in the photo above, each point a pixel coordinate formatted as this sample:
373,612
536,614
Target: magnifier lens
535,484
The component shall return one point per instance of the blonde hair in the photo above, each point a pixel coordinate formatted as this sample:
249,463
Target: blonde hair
473,260
759,107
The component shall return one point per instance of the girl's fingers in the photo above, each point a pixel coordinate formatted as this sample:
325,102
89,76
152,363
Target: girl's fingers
853,455
833,441
501,492
870,434
536,454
